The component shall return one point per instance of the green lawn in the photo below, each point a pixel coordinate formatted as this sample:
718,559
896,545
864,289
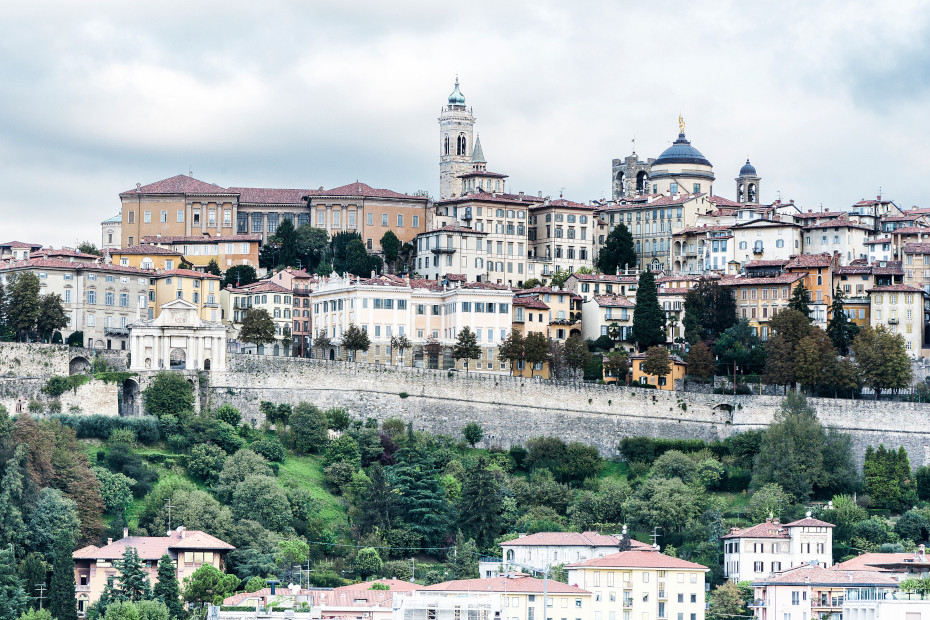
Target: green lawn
307,472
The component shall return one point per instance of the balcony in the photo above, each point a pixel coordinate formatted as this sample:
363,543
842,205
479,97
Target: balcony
627,602
663,595
757,603
84,588
892,321
116,331
443,251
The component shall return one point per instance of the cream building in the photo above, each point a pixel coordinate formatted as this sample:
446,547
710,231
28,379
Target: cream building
766,240
227,250
199,288
840,236
590,284
265,295
900,308
755,552
563,232
544,550
640,584
452,249
177,340
111,235
522,597
441,606
601,312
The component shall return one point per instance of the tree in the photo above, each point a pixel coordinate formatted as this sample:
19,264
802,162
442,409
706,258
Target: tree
213,268
657,362
532,283
53,514
12,526
229,414
133,580
286,237
13,599
535,348
367,562
466,346
801,300
390,247
790,327
512,348
209,585
559,277
309,428
709,310
33,571
23,306
882,358
700,360
312,244
769,501
257,327
168,590
617,365
480,506
648,316
791,453
169,394
814,358
576,354
52,316
357,259
669,504
88,248
205,462
464,560
239,275
618,251
61,592
729,600
343,449
355,339
422,497
887,477
840,329
380,505
400,344
259,498
322,342
472,432
339,249
115,490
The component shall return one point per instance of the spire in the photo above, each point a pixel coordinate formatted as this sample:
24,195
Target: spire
478,154
456,98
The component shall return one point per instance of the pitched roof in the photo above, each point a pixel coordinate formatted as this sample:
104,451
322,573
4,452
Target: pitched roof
769,529
199,238
153,547
456,229
481,196
57,263
807,575
613,301
144,249
838,223
518,583
720,201
530,302
917,248
180,184
606,277
20,244
883,561
785,278
189,273
537,290
262,286
570,539
700,229
639,559
804,261
852,270
809,522
363,190
396,585
775,262
564,204
271,196
895,288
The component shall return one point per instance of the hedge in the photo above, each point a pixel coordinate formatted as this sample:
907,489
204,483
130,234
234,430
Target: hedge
100,426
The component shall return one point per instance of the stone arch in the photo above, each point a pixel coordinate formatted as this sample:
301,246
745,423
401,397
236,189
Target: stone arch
678,247
510,555
677,265
79,366
332,354
751,192
129,398
178,359
206,364
641,181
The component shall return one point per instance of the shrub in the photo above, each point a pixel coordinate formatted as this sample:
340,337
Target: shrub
205,462
76,339
337,418
122,459
34,406
271,448
638,449
338,475
178,443
229,414
101,427
56,386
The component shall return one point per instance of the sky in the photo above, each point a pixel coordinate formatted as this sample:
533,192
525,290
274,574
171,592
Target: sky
828,99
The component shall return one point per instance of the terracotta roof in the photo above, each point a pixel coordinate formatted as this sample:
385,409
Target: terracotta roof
153,547
489,286
917,248
769,529
189,273
898,218
530,302
565,204
807,575
910,230
57,263
809,522
396,585
482,173
700,229
883,561
537,290
456,277
271,196
659,201
770,223
803,261
20,244
518,583
199,238
766,263
895,288
180,184
457,229
495,197
841,223
605,277
569,539
613,301
673,291
639,559
145,249
363,190
785,278
918,211
262,286
720,201
891,268
51,253
820,214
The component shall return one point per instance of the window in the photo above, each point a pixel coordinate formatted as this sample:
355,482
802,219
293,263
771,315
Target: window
384,219
164,217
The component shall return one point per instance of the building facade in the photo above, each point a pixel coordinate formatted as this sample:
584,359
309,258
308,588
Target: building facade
758,551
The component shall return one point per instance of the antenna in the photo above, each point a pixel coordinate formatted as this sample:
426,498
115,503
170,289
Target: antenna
169,506
655,535
41,588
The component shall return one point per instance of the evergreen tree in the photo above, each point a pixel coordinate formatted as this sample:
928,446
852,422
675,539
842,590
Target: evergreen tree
390,247
12,526
481,504
882,358
423,500
167,590
13,599
339,248
257,327
286,238
466,346
61,592
23,305
710,310
357,260
33,570
840,329
239,275
648,316
700,360
6,332
618,251
213,268
464,560
51,317
133,580
312,246
801,300
380,506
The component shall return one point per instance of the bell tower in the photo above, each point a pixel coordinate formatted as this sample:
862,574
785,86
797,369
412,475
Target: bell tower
456,144
747,184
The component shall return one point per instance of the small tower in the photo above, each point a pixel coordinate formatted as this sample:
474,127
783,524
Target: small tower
456,128
747,184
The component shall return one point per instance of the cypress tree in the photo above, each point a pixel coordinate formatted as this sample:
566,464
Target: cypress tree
618,251
13,599
840,329
12,527
648,316
32,571
61,593
167,589
801,300
481,505
133,581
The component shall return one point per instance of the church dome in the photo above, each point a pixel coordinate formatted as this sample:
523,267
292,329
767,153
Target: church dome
748,170
456,98
681,152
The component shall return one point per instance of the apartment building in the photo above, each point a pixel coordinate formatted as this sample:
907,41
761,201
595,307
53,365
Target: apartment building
759,299
100,300
766,548
704,248
430,314
607,315
199,288
452,249
147,257
641,584
855,280
300,283
17,250
917,265
839,236
901,309
564,232
817,270
530,315
676,374
198,250
564,315
265,295
590,284
766,240
523,597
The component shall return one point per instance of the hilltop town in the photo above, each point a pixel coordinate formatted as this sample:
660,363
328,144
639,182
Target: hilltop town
364,403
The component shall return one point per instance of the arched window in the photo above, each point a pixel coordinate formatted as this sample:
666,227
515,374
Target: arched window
510,555
446,145
751,195
739,192
460,146
819,280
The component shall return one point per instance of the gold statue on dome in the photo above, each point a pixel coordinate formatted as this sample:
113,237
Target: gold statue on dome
681,124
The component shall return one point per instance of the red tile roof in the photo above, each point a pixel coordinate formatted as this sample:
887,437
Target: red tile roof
145,249
639,559
565,204
189,273
271,196
541,290
785,278
807,575
262,286
57,263
891,268
910,230
659,201
52,253
489,286
518,583
809,522
779,262
700,229
898,218
917,248
153,547
769,529
839,223
895,288
673,291
180,184
199,238
720,201
20,244
456,229
613,301
530,302
503,198
883,561
363,190
605,277
805,261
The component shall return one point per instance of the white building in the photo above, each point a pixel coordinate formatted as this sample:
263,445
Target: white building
452,249
422,605
893,608
547,549
178,339
840,235
111,235
755,552
766,240
600,312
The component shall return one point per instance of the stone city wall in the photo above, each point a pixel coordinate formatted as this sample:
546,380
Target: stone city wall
92,398
512,410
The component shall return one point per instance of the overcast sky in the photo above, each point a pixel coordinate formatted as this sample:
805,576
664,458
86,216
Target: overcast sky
828,99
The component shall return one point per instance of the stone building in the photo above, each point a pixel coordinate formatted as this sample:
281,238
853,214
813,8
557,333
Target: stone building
177,340
456,145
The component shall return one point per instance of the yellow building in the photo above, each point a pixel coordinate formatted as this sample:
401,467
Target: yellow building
900,309
855,280
199,288
664,382
758,300
521,597
146,257
645,585
564,310
530,315
198,250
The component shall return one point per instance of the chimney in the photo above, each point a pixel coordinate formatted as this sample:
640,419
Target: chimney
921,550
109,541
125,532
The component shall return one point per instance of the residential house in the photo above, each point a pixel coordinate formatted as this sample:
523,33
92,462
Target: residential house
564,231
146,256
200,288
452,249
422,605
913,564
840,236
189,550
757,551
602,312
544,550
642,584
264,295
564,317
759,299
199,250
522,597
590,284
679,369
855,280
698,249
766,240
17,250
901,309
817,270
530,315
